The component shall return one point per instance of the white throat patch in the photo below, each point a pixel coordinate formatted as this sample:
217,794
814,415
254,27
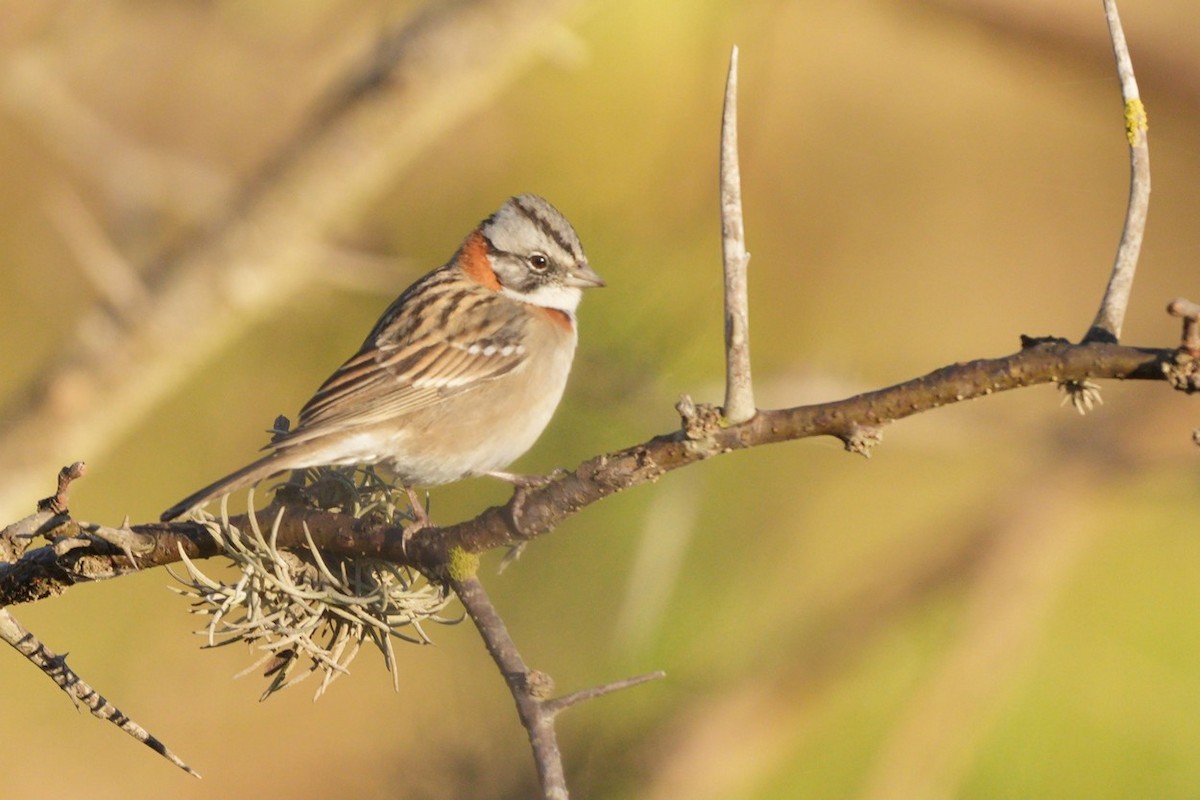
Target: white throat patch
562,298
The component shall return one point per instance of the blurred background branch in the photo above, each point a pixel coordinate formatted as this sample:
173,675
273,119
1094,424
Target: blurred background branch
390,104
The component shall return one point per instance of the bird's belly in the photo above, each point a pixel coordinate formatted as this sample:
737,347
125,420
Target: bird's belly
477,430
483,429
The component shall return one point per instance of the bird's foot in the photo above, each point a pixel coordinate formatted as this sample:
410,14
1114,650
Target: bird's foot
420,517
528,481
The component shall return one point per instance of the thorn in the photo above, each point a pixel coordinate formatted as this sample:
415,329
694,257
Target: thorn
513,554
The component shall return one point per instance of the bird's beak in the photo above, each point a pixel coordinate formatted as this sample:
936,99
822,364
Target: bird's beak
584,277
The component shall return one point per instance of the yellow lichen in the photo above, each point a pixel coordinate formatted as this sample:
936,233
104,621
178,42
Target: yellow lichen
1136,122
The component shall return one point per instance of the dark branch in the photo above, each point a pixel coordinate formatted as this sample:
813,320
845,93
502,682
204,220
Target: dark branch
529,687
46,571
80,692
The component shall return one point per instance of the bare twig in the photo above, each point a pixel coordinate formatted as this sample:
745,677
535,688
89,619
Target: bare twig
51,519
530,689
526,685
1107,325
55,667
560,704
17,538
58,502
739,391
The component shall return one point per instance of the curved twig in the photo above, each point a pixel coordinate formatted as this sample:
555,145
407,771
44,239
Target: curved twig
1107,325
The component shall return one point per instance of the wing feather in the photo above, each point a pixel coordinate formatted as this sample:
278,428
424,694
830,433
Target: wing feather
417,355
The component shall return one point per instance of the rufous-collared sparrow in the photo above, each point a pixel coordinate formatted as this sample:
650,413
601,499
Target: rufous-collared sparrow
461,373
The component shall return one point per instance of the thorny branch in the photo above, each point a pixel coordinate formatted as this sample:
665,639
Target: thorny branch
94,551
856,421
529,688
14,541
55,667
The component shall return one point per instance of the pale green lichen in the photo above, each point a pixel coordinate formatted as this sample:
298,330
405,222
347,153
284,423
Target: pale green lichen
462,565
305,610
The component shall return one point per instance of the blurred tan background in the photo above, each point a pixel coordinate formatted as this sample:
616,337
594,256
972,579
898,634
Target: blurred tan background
1004,601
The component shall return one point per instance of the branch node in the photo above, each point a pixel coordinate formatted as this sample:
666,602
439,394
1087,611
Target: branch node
861,439
1028,342
58,503
1190,313
1182,371
699,422
539,685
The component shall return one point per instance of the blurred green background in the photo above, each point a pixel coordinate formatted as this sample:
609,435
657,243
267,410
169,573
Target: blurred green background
1004,601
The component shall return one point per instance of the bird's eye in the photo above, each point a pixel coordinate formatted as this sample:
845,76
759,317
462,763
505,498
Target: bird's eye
539,263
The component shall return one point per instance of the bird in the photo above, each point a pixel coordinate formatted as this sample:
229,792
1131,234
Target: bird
461,373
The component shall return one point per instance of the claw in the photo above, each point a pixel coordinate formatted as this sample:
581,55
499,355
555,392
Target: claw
420,512
528,481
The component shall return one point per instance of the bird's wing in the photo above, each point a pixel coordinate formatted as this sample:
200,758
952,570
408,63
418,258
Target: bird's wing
418,354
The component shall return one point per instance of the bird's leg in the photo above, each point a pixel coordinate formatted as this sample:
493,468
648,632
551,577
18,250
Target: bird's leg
523,484
420,518
419,509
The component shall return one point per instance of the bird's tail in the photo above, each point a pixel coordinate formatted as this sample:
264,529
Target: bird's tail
260,470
